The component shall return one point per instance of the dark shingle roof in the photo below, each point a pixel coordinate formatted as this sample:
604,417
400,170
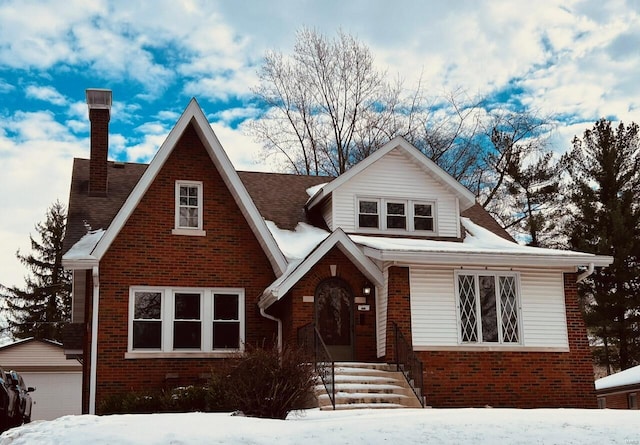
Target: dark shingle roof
279,197
97,212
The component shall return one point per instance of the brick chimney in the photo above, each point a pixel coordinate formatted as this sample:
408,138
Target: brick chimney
99,102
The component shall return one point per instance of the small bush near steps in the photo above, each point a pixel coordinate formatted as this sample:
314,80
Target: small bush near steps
259,383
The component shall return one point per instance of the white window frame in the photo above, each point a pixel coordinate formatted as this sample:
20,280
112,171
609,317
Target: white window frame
409,214
413,204
184,230
387,215
379,214
167,319
496,274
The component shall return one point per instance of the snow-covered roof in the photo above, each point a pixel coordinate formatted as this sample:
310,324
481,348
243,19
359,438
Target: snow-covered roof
479,245
629,376
306,246
82,251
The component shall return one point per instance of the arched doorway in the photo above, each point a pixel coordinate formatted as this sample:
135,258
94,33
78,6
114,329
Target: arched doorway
334,317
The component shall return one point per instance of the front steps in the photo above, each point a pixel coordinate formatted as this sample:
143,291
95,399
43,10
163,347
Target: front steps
368,385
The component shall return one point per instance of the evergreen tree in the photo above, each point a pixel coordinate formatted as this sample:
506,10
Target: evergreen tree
604,218
42,307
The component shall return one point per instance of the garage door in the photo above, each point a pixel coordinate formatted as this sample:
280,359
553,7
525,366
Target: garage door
57,394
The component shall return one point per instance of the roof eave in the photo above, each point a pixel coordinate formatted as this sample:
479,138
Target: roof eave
487,259
80,264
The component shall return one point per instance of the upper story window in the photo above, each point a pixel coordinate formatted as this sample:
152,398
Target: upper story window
396,215
166,320
368,216
423,216
488,307
189,208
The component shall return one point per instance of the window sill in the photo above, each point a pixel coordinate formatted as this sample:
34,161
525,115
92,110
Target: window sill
189,232
197,354
492,348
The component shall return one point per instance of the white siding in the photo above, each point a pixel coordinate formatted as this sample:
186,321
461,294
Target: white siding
434,313
395,176
33,354
544,319
381,318
433,307
327,213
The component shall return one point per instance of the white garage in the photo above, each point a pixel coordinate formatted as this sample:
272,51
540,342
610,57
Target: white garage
43,365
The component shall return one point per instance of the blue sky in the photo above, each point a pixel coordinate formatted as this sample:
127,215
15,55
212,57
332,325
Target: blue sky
578,60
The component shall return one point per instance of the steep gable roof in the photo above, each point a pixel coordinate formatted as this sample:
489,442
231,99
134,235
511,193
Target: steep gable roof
193,115
467,199
298,269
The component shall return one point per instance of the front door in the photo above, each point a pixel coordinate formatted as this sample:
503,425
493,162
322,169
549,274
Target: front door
333,304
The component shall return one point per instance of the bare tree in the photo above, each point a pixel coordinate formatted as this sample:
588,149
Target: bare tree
328,105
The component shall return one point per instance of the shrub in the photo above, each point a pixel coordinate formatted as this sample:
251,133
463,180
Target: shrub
265,383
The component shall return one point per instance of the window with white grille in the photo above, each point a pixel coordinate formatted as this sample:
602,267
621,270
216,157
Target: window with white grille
488,307
188,208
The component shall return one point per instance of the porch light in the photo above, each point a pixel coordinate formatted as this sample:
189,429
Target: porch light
366,290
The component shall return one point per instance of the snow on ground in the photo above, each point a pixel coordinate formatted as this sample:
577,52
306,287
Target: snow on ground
401,426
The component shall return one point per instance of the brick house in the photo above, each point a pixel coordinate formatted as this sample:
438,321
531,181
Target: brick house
179,263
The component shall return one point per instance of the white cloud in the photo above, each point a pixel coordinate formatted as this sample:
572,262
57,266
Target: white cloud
47,94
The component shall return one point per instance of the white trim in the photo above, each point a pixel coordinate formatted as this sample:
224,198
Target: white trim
193,114
382,214
93,371
338,238
466,347
476,273
472,258
187,230
466,197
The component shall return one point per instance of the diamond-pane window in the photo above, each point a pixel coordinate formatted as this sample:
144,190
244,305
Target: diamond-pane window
488,308
509,308
468,319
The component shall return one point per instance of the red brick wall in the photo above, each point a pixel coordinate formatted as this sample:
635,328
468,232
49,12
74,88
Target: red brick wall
398,307
146,253
99,118
516,379
620,400
295,313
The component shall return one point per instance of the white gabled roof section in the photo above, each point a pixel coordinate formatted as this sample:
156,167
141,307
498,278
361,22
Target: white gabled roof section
193,114
299,268
467,199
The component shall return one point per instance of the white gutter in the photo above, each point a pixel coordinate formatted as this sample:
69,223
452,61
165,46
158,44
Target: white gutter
94,341
277,320
586,273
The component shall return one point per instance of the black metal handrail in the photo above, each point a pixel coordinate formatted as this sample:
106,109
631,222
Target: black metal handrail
310,340
408,363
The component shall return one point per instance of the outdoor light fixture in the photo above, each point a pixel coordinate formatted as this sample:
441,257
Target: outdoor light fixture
366,290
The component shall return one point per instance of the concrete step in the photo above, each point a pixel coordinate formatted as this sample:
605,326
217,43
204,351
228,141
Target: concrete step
366,385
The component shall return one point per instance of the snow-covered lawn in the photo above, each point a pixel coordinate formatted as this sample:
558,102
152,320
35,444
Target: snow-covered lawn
401,426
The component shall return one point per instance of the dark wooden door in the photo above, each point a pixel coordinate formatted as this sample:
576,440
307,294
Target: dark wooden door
334,317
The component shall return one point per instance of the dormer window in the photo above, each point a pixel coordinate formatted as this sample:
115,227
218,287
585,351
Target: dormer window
423,216
188,208
368,216
396,215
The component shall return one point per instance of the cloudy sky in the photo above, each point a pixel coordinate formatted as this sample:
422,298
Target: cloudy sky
577,60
